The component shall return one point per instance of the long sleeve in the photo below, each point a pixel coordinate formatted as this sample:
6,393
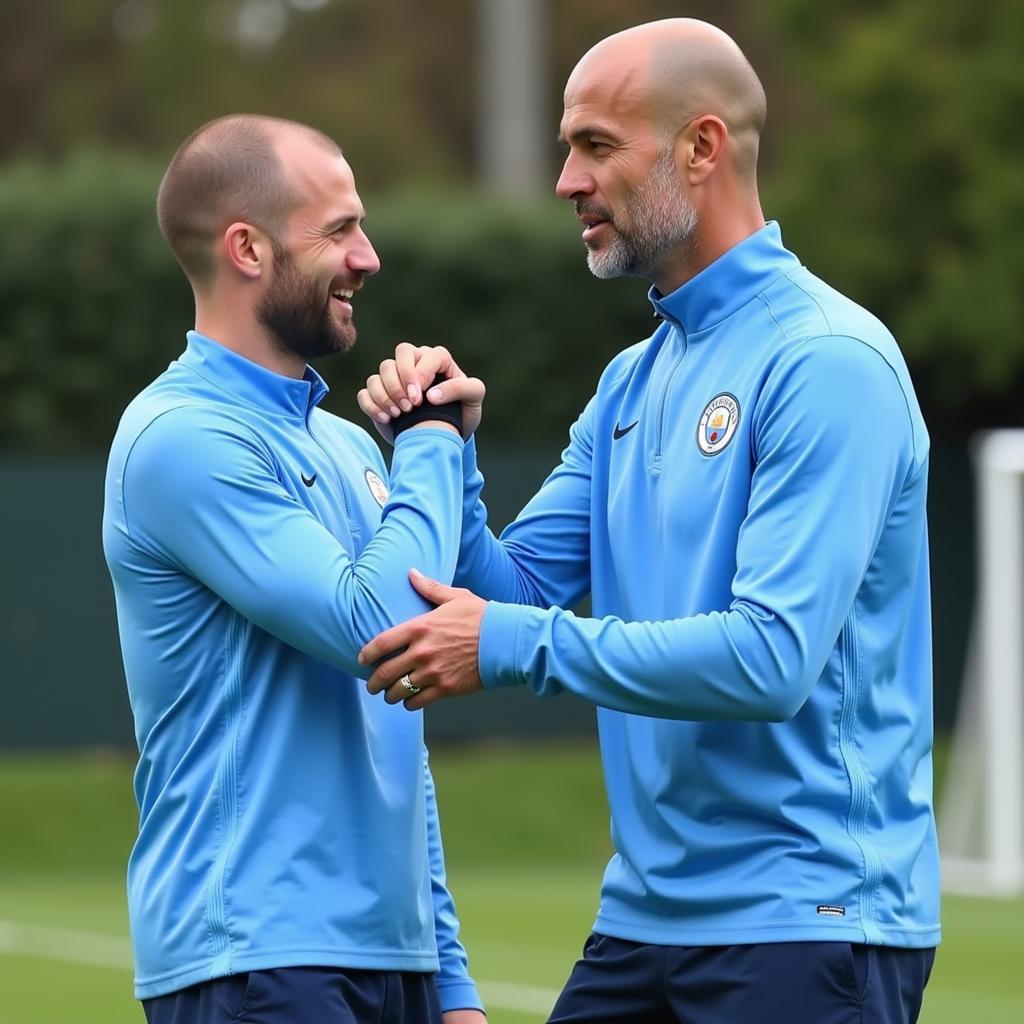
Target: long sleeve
543,557
455,988
201,493
834,450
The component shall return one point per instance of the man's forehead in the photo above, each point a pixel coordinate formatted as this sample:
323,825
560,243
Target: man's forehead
580,119
598,89
323,185
619,113
315,170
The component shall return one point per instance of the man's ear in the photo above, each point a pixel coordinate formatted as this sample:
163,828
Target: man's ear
701,147
247,249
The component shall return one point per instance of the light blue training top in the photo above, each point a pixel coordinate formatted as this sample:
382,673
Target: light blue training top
744,499
286,817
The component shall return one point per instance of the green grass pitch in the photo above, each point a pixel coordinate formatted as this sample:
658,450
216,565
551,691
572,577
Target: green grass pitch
526,835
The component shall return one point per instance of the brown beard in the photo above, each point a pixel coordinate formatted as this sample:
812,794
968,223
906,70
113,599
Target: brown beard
297,313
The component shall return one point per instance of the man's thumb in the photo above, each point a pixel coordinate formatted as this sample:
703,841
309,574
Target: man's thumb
430,589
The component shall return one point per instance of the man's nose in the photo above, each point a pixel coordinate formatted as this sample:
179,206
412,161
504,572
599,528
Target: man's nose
363,257
573,181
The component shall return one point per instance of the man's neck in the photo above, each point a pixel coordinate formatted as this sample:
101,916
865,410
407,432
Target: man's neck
245,335
714,237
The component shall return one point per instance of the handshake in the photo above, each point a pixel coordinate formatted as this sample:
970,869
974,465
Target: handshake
403,383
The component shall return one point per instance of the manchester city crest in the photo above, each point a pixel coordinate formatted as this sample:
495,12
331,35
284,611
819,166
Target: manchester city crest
378,488
718,423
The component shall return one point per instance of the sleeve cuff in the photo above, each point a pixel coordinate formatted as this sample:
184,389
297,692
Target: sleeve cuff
457,994
403,440
498,658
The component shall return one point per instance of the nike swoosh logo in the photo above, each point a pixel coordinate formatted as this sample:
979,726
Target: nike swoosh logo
308,480
623,431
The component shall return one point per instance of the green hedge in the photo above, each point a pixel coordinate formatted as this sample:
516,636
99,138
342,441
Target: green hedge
92,306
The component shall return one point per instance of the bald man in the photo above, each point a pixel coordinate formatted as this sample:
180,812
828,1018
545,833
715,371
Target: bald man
744,501
288,868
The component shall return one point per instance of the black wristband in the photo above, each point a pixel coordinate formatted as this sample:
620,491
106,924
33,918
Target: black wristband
448,412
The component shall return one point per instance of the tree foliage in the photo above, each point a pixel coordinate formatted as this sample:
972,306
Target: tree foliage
395,81
901,181
893,158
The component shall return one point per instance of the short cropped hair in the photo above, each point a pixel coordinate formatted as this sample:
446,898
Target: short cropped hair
227,170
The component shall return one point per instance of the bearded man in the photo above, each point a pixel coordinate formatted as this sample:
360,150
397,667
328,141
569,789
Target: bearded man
744,501
288,866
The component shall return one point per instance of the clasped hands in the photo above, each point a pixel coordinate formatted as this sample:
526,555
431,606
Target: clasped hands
403,382
437,653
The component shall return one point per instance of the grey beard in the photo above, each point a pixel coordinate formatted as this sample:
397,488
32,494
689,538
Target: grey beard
660,220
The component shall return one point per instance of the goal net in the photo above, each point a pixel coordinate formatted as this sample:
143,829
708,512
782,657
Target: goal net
981,815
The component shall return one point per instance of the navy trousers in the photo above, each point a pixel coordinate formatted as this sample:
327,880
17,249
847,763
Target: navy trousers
302,995
769,983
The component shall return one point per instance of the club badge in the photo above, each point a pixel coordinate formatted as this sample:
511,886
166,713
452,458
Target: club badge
378,488
718,424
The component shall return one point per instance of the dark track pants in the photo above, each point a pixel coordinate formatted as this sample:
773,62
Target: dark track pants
302,995
770,983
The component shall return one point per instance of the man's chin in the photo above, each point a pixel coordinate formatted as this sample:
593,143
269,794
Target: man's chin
344,333
345,337
605,265
337,335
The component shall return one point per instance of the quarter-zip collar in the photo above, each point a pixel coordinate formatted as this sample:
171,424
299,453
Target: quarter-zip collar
251,383
720,289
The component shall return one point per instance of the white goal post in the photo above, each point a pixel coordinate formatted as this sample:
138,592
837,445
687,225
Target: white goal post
981,819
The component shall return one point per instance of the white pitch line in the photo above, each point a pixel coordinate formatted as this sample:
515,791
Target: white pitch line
68,946
508,995
65,944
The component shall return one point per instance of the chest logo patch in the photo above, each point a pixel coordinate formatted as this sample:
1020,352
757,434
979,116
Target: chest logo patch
718,424
378,489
